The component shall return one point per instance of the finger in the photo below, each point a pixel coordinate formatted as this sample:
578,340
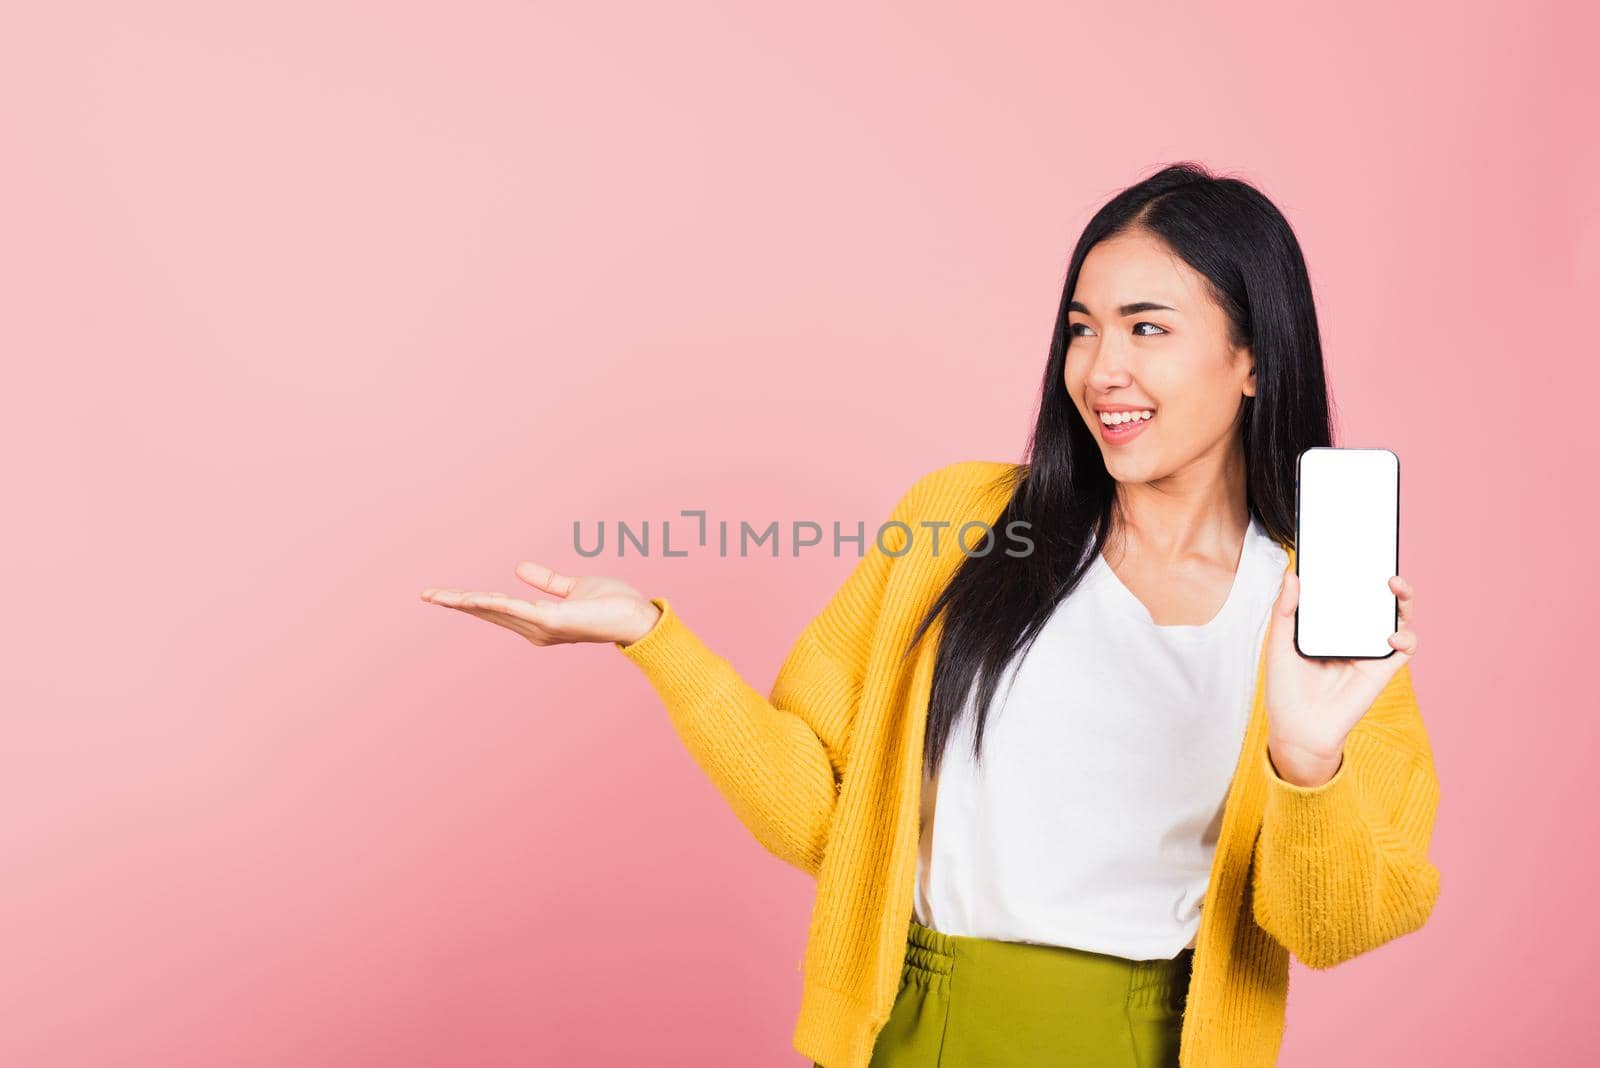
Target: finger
448,596
1406,598
533,633
1405,641
536,621
541,577
511,623
1282,626
512,606
452,598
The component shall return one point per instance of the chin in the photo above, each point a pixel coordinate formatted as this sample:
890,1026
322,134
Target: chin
1132,468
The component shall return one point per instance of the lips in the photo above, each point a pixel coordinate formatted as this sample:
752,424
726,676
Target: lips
1123,432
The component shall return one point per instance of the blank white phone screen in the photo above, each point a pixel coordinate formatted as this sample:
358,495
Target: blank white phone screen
1347,547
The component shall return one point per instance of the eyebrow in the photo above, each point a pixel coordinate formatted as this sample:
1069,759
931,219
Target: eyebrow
1127,309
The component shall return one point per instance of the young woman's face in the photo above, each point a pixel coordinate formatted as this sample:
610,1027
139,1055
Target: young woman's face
1145,334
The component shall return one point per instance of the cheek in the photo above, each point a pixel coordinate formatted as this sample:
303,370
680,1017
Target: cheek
1197,410
1072,376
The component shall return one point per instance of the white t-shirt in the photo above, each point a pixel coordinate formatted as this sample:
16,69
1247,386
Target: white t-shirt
1107,760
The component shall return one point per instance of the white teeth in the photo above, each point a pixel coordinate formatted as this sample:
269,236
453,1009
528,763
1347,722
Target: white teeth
1115,418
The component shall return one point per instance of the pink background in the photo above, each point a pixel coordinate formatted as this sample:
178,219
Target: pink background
305,307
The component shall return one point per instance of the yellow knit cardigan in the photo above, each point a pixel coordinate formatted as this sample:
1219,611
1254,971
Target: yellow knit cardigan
826,773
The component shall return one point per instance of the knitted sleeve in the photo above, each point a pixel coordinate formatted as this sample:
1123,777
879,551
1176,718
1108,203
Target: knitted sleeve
1343,867
777,759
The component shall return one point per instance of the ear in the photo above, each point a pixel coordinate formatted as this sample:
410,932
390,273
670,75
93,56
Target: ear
1249,382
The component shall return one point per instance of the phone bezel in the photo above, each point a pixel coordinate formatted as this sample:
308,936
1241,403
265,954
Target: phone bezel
1297,464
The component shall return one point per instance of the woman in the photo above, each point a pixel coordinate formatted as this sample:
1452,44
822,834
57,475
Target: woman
1166,800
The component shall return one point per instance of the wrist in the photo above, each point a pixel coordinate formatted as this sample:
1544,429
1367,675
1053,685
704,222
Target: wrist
649,614
1303,765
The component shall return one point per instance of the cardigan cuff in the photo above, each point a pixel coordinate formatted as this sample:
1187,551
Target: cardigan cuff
672,656
1310,815
1279,780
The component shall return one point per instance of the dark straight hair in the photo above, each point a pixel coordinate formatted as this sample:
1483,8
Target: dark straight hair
1226,230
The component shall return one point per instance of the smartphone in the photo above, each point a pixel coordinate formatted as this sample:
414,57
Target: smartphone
1347,546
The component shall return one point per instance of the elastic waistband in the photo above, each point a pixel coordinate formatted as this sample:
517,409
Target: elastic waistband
936,955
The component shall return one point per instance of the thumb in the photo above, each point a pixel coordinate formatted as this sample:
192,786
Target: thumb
1283,611
545,578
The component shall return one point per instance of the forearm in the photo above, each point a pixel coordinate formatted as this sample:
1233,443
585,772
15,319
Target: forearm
766,761
1339,871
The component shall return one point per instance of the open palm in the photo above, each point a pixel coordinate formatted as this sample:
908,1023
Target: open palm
591,608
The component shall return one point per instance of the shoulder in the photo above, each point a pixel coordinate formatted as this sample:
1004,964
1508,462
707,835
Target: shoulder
960,487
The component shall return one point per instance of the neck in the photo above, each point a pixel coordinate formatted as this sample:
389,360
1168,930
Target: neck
1199,510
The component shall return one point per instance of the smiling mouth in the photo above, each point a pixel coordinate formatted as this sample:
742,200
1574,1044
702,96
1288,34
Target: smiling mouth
1127,429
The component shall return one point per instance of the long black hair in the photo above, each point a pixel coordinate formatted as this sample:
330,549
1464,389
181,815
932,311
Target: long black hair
1226,230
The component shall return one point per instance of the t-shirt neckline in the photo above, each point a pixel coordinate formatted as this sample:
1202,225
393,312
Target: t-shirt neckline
1135,609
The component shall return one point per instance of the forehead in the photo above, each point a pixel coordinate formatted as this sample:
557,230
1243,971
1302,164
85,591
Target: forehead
1136,267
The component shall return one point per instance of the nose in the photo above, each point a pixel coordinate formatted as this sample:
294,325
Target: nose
1110,365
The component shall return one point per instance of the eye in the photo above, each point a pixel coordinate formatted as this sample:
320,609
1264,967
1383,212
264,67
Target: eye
1072,329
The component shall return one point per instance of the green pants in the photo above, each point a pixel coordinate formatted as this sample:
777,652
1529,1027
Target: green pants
975,1001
